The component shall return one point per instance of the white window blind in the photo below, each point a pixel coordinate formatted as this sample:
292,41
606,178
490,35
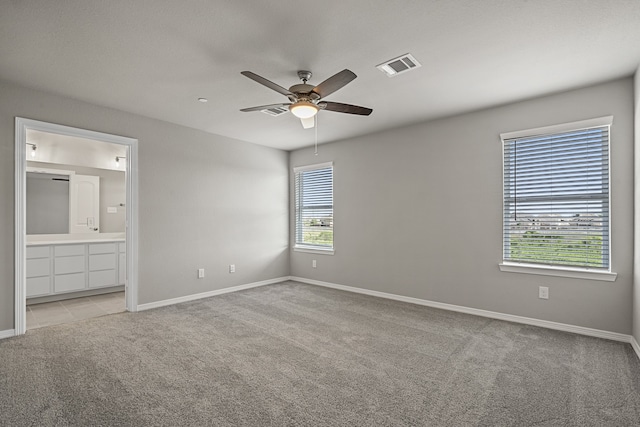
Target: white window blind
314,206
556,198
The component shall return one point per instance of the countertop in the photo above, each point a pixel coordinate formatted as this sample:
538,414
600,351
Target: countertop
64,239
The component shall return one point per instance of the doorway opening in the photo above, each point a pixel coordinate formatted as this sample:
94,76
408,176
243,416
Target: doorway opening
75,246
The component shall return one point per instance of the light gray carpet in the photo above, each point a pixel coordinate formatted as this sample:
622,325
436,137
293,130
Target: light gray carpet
299,355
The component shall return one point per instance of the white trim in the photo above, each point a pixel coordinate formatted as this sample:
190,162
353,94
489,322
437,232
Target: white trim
297,208
635,346
559,128
131,224
208,294
312,167
78,132
549,270
614,336
313,250
21,126
7,334
20,231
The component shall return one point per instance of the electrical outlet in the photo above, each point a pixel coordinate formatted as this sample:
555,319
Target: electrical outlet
313,263
543,292
200,273
232,268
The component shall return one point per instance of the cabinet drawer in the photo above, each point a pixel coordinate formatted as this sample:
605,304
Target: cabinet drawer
68,250
102,278
69,282
38,267
69,264
122,247
102,248
37,252
102,262
38,286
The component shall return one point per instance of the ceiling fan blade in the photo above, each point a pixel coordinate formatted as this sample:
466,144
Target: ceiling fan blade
264,107
345,108
271,85
333,83
308,123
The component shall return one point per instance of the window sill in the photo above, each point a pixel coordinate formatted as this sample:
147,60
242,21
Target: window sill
313,250
547,270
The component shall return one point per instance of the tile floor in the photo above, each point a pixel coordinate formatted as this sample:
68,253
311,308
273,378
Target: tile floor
72,310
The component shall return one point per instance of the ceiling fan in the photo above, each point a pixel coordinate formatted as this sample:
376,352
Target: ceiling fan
306,100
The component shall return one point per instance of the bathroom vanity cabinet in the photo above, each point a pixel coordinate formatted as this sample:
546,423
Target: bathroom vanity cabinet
58,268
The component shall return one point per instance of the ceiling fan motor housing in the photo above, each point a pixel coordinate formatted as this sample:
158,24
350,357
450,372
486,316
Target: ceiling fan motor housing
303,91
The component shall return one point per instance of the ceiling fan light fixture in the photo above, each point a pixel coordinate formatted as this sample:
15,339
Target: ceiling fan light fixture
303,109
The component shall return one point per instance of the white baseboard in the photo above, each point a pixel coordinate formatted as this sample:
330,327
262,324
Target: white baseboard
614,336
208,294
7,334
635,346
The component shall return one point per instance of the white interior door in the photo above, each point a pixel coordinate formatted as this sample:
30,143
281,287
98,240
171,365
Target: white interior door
84,204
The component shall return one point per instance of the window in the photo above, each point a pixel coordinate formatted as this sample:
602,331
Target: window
314,207
556,196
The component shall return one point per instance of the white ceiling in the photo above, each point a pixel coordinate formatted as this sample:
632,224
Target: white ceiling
156,57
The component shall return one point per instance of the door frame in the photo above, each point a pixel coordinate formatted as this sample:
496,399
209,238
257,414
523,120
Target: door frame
131,227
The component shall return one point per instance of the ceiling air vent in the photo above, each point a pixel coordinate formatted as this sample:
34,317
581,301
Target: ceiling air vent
399,65
275,111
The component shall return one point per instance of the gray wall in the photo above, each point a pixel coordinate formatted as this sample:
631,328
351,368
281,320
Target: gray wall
418,212
113,191
205,200
636,233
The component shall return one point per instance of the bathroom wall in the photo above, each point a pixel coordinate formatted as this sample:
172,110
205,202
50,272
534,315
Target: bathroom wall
112,194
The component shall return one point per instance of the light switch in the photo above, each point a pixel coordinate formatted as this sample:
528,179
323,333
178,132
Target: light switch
112,209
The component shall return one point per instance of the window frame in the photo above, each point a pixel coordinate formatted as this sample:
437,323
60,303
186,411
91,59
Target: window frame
604,274
297,210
